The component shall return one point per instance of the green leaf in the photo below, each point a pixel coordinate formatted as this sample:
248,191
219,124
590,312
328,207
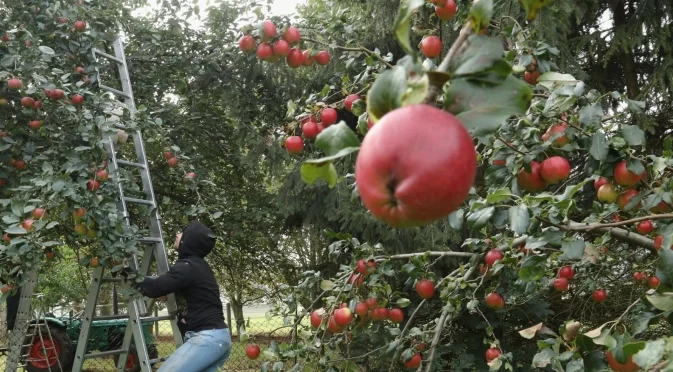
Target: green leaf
649,354
481,13
16,230
479,218
599,146
393,345
403,302
532,268
641,322
312,172
635,166
8,60
483,107
551,80
662,301
633,135
544,357
327,285
591,115
519,219
46,50
665,267
387,92
481,55
533,7
335,138
572,251
456,219
402,25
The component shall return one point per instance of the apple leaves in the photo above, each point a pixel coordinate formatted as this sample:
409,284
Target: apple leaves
402,25
336,141
400,86
533,7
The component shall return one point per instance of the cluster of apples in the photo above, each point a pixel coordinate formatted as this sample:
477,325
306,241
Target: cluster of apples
562,283
271,48
311,127
652,281
369,308
27,224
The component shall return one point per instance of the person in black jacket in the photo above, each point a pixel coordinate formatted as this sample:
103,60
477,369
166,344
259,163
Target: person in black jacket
207,339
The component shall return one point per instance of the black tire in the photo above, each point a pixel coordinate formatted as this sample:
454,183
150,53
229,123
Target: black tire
133,356
58,350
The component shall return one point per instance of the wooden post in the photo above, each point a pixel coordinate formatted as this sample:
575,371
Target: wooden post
229,317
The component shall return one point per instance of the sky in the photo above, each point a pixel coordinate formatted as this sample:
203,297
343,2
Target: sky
278,7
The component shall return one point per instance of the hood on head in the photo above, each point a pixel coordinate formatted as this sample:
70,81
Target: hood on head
197,240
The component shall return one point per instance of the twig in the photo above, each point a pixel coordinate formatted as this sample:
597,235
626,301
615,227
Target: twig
618,320
621,234
509,144
355,49
621,223
465,32
429,253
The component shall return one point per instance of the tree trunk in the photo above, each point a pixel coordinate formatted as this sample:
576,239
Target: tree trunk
237,308
628,61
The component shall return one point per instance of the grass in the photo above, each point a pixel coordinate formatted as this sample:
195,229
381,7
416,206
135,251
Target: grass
262,331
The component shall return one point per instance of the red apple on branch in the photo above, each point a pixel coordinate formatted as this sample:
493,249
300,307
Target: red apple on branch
425,289
624,177
247,44
292,35
252,351
531,181
555,169
431,46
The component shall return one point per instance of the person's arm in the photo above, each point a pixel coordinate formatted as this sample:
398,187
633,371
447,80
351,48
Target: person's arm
176,279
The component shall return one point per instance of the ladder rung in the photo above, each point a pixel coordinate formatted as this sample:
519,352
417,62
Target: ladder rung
108,56
158,360
131,164
103,354
110,317
114,91
156,318
138,201
111,280
149,239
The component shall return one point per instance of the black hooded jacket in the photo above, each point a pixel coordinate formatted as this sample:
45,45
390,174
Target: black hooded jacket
192,277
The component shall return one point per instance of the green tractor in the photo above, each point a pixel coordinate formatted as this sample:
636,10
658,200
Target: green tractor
45,354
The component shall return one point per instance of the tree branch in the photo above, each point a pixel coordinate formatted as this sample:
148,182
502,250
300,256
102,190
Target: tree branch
429,253
347,49
465,32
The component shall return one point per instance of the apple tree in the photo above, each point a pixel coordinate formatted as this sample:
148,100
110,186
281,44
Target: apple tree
561,208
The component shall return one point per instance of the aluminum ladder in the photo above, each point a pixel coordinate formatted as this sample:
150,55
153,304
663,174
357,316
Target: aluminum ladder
21,324
154,243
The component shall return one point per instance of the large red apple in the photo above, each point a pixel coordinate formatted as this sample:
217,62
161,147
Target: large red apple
625,197
561,284
414,362
531,77
366,267
269,30
446,12
624,177
430,181
431,46
349,100
252,351
77,99
56,94
380,314
333,327
294,145
607,193
295,58
645,227
599,295
372,303
264,51
531,181
322,57
328,116
292,35
14,84
396,316
310,130
317,318
495,301
308,58
566,272
555,169
425,289
35,124
38,213
600,182
28,102
662,207
492,256
281,48
343,316
27,224
80,26
247,44
492,353
553,130
93,185
102,175
172,162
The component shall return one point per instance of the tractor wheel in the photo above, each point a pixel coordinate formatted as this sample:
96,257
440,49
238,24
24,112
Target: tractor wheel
133,362
45,354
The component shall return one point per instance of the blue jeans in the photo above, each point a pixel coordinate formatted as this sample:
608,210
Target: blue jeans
204,351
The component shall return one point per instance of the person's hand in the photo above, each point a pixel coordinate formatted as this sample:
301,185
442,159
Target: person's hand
163,299
128,273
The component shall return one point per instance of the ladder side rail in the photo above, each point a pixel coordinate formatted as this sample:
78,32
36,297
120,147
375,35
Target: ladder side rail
87,320
134,331
21,324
